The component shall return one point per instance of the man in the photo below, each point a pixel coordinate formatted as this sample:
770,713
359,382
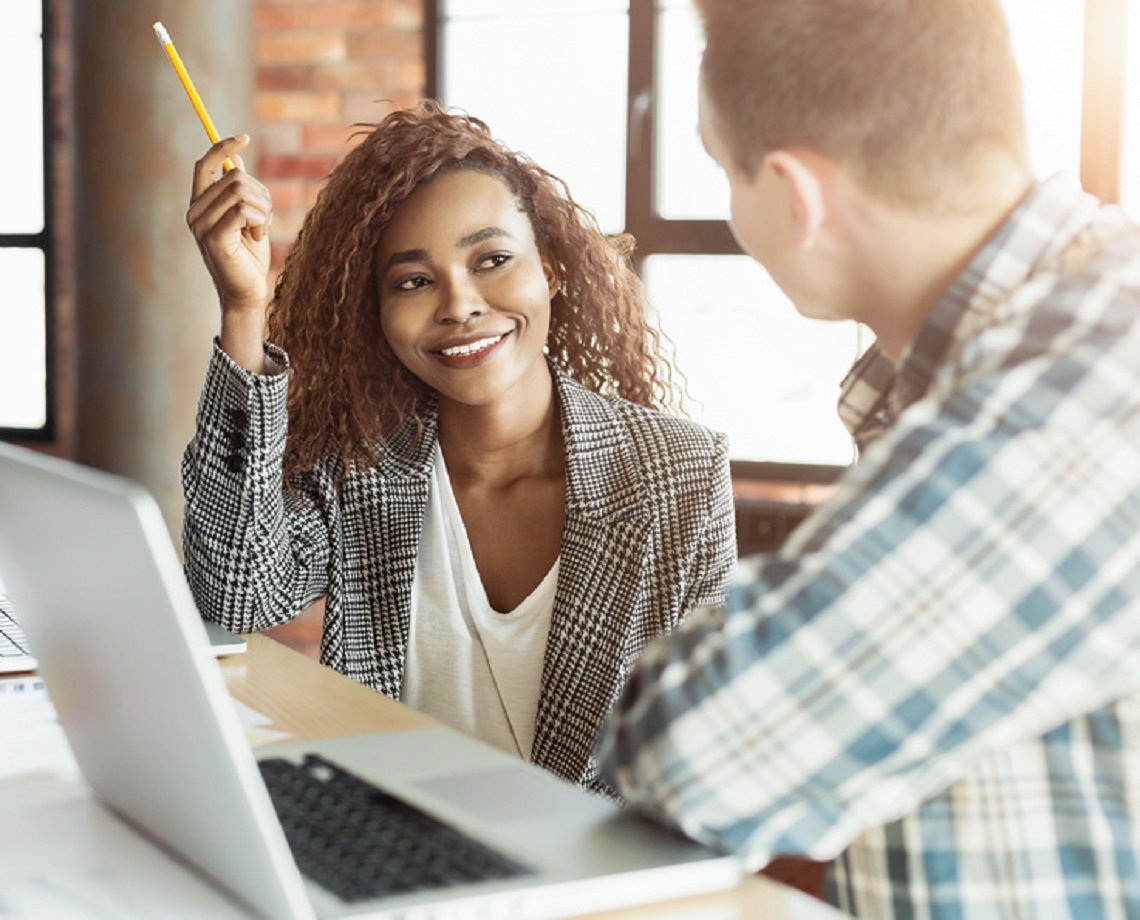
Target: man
936,682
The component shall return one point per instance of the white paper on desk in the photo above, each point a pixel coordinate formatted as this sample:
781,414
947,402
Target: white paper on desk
256,725
31,740
73,859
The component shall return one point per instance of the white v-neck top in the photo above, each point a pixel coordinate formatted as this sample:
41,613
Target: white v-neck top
468,665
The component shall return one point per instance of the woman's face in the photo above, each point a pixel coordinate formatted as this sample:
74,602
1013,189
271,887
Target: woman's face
464,294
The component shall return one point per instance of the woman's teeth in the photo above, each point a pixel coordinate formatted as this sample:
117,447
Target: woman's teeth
471,348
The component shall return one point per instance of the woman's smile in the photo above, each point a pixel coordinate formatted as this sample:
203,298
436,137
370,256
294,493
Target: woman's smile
470,352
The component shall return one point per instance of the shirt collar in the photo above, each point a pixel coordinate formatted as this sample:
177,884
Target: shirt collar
876,390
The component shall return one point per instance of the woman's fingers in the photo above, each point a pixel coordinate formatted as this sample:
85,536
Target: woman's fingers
229,215
224,222
214,159
235,248
235,191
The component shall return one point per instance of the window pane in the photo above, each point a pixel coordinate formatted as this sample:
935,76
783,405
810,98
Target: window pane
1048,42
755,368
1130,154
21,17
689,184
23,369
21,102
514,73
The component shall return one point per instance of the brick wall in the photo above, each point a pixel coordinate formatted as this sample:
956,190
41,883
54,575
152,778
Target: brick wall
321,67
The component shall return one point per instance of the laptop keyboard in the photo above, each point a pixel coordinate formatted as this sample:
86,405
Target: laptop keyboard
359,842
13,644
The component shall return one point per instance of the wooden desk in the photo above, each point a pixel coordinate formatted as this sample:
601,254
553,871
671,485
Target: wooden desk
309,701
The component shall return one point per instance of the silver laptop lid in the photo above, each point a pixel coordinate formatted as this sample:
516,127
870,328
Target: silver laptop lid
157,737
88,562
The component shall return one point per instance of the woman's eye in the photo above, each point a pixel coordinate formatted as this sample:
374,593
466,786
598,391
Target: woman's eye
492,261
411,284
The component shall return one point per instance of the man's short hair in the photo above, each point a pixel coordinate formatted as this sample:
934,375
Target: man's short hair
906,94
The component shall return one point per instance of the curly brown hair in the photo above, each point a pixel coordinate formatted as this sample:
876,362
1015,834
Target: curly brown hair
348,391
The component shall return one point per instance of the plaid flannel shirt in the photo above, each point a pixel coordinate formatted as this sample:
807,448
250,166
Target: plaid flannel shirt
936,681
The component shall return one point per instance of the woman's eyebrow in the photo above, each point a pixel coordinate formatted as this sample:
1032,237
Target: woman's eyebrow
485,234
470,239
407,255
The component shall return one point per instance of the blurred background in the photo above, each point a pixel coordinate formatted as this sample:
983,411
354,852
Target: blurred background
107,315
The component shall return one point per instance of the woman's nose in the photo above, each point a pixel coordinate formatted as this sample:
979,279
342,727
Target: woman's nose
460,302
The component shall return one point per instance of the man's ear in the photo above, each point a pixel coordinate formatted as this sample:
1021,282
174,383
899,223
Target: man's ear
802,180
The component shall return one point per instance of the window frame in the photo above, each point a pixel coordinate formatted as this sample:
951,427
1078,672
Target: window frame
44,241
1102,117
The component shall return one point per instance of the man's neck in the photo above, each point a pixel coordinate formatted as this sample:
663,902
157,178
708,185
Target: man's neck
905,260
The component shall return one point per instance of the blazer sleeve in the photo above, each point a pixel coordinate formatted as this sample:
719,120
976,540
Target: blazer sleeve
715,559
255,555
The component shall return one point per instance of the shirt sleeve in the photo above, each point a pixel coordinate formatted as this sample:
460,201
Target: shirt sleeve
255,554
970,583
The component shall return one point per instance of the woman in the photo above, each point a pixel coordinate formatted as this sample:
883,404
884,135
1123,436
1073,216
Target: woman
474,475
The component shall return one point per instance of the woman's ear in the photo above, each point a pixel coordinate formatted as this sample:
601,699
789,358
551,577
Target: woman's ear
553,282
801,175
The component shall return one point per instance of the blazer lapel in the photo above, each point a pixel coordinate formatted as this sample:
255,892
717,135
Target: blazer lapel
604,545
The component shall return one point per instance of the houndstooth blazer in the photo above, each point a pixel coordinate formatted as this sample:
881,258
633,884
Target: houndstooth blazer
648,534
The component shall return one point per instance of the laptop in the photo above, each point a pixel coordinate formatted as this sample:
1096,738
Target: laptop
127,665
15,657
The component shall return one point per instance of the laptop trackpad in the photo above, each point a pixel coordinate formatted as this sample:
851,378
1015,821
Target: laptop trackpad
507,794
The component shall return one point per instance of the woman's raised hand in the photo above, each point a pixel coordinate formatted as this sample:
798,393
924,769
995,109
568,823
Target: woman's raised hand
229,217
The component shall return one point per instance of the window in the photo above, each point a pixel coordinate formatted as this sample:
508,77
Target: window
506,62
603,92
25,380
1129,155
756,369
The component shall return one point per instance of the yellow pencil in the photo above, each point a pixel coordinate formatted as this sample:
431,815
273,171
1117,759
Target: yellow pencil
188,85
